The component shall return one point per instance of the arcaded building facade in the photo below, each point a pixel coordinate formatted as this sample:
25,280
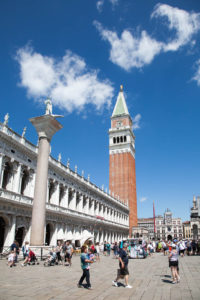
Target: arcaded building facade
76,209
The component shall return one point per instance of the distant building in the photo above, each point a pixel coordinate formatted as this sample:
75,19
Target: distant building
195,218
145,223
186,230
166,227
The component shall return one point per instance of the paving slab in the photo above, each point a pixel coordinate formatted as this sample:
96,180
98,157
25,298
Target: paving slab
150,279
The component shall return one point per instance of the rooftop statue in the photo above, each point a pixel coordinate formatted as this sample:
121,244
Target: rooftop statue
6,118
48,107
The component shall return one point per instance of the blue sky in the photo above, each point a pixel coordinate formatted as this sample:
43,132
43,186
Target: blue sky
79,52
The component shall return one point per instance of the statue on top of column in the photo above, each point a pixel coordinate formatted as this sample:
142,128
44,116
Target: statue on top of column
48,107
6,118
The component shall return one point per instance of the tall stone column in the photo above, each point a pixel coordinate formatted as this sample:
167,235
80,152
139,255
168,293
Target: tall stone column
46,127
1,168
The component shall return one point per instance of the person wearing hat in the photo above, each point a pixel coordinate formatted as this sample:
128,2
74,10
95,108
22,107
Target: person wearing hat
173,264
123,264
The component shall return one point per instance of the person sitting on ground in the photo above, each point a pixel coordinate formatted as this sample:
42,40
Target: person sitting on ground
11,259
123,264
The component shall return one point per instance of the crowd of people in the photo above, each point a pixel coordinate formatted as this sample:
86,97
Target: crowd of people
90,253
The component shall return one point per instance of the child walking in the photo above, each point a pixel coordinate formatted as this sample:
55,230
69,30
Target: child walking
85,265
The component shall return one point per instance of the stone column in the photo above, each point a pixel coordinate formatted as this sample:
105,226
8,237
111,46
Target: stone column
1,169
46,127
17,178
92,208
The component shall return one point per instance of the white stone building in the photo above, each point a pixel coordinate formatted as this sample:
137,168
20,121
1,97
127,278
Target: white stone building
76,209
166,227
195,218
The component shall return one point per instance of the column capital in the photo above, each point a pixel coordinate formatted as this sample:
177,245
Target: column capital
46,125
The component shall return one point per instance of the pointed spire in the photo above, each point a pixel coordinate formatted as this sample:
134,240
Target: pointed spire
120,106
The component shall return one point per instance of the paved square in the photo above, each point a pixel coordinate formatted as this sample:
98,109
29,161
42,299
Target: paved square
149,277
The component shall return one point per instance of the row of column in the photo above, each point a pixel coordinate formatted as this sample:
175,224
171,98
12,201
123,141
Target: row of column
72,199
59,194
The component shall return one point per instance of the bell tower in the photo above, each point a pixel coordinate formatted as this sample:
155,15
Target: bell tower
122,177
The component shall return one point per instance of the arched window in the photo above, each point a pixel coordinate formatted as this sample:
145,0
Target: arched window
61,193
121,139
114,140
51,190
125,139
2,232
25,178
6,175
117,139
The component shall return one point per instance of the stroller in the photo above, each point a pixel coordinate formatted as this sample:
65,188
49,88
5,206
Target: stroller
32,259
51,259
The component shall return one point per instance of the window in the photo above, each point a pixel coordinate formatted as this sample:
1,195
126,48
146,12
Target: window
125,138
114,140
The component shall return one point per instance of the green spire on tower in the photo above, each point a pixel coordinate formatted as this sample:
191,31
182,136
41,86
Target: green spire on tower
120,106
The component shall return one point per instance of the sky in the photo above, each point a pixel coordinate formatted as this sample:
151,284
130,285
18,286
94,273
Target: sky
79,53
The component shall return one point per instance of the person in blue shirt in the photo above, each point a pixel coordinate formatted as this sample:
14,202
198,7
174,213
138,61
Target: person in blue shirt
123,264
85,265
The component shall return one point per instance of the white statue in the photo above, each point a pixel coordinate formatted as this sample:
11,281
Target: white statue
24,131
82,173
59,157
6,118
68,163
48,107
76,169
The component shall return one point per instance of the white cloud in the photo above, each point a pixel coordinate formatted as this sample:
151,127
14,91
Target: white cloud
143,199
136,121
137,50
100,4
184,23
68,81
197,74
129,51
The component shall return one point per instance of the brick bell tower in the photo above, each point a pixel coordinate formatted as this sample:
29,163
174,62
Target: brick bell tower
122,177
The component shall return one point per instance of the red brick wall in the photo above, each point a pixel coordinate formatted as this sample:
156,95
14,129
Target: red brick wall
122,181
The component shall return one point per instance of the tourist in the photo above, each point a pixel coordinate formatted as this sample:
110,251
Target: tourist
181,248
173,264
69,252
15,247
189,247
104,248
85,265
165,248
194,247
123,264
58,252
115,249
108,248
11,259
25,250
97,247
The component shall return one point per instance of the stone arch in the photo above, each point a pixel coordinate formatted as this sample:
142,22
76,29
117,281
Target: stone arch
48,233
20,235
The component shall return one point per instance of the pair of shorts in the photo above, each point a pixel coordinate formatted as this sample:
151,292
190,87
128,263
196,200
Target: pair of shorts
124,271
182,251
173,263
68,256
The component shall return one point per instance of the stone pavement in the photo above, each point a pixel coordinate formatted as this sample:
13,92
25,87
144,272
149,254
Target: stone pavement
149,277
